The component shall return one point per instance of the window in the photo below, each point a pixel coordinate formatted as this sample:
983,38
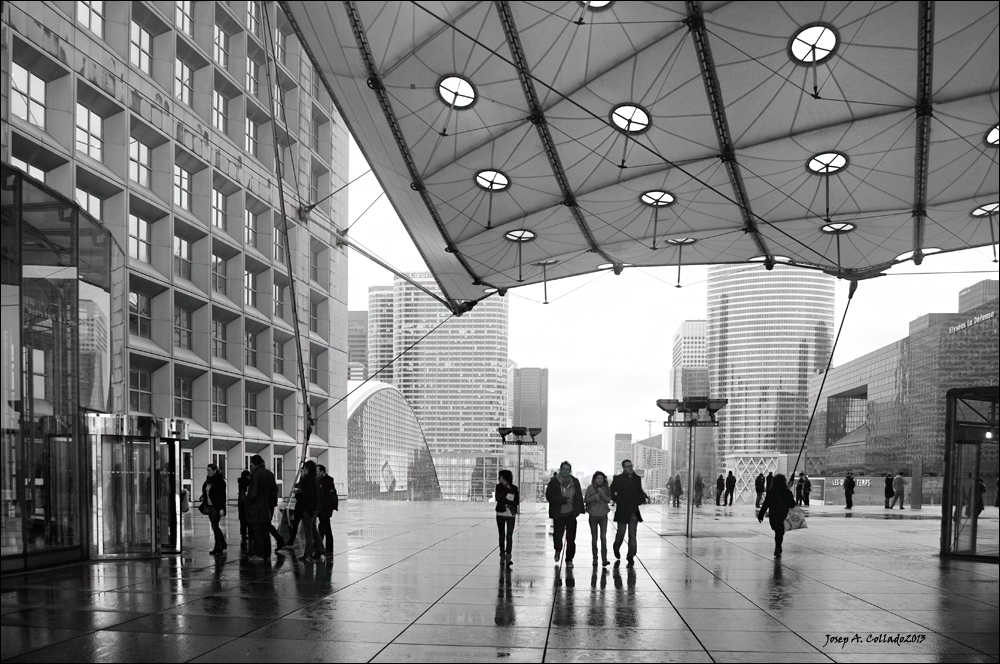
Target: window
183,16
220,403
314,254
280,46
28,99
140,390
90,203
316,82
182,327
182,258
139,169
314,317
252,76
220,111
90,14
314,369
253,18
138,238
182,187
314,183
250,408
250,289
140,50
279,301
220,48
89,132
219,202
250,340
317,125
250,140
140,316
183,399
249,228
279,246
279,103
33,171
279,413
218,338
219,281
183,82
279,357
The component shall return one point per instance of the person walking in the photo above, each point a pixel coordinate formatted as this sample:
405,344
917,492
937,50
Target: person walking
678,490
888,490
565,498
262,496
307,498
777,502
213,504
241,496
328,502
699,490
758,486
626,491
798,490
508,498
720,486
730,488
807,488
767,481
897,490
596,501
849,484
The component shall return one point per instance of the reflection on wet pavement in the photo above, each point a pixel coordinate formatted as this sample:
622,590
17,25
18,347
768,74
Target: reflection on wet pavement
421,582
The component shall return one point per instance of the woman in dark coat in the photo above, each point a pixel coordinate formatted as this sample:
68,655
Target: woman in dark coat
307,497
777,502
888,490
508,498
213,498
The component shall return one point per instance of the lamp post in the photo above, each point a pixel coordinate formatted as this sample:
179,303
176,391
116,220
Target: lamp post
519,433
690,409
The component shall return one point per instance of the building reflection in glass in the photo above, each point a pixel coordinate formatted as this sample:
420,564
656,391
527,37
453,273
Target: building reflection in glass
387,453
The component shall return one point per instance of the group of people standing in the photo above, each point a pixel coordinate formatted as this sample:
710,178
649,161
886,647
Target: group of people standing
257,498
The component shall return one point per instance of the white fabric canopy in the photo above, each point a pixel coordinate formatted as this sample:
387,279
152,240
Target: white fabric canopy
907,92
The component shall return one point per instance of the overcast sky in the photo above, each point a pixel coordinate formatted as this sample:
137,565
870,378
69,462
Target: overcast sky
606,339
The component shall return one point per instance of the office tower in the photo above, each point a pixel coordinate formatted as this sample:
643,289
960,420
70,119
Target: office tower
529,407
357,341
380,332
623,450
455,379
978,294
689,378
156,118
767,333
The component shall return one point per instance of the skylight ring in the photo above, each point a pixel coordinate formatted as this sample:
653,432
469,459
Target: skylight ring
657,198
457,92
598,6
813,44
492,180
681,241
987,210
630,118
992,136
520,235
838,227
827,163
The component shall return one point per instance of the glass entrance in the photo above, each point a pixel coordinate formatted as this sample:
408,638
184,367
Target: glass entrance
127,475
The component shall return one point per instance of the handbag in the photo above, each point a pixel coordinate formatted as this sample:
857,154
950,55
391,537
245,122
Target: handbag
796,519
204,508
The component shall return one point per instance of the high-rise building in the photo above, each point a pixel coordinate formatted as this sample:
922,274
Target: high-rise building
455,379
767,333
357,341
157,119
380,333
623,450
529,407
978,294
689,378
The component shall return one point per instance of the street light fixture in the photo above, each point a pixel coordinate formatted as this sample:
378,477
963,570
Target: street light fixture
689,409
519,433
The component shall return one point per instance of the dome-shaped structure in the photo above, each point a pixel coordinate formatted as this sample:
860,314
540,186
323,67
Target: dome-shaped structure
387,454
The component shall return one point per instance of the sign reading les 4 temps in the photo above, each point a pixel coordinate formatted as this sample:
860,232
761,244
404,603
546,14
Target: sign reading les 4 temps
972,321
860,481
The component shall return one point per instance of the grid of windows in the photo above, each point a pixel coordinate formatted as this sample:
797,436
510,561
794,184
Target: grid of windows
314,369
90,14
183,81
219,205
28,99
249,228
279,413
182,327
252,68
183,16
314,129
220,111
219,338
279,357
280,46
250,408
140,315
140,390
314,184
279,102
250,343
89,132
139,230
253,18
250,138
279,300
314,316
183,397
314,254
182,187
90,203
182,258
33,171
220,403
219,280
220,47
140,51
279,246
250,289
139,168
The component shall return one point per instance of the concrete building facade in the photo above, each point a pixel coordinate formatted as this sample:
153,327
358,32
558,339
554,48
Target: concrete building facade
528,395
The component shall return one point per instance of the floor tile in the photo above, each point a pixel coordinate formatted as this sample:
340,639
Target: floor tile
290,650
107,646
411,653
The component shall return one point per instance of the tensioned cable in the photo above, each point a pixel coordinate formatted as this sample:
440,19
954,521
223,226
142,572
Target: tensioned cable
370,205
829,362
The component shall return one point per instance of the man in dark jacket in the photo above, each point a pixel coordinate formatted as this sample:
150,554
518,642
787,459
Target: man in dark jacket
768,481
720,486
849,491
328,502
759,486
730,488
262,493
565,499
626,491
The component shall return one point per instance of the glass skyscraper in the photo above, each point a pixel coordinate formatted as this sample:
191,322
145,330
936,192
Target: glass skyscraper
767,333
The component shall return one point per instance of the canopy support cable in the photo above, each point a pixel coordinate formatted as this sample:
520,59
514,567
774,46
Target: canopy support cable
925,70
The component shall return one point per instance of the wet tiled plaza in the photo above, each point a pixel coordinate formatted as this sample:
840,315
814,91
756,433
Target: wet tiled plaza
421,582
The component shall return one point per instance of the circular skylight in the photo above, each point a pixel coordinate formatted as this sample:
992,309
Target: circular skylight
986,210
456,91
681,240
838,227
630,118
909,254
777,259
827,163
993,136
657,198
596,5
492,180
814,44
546,262
520,235
608,266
